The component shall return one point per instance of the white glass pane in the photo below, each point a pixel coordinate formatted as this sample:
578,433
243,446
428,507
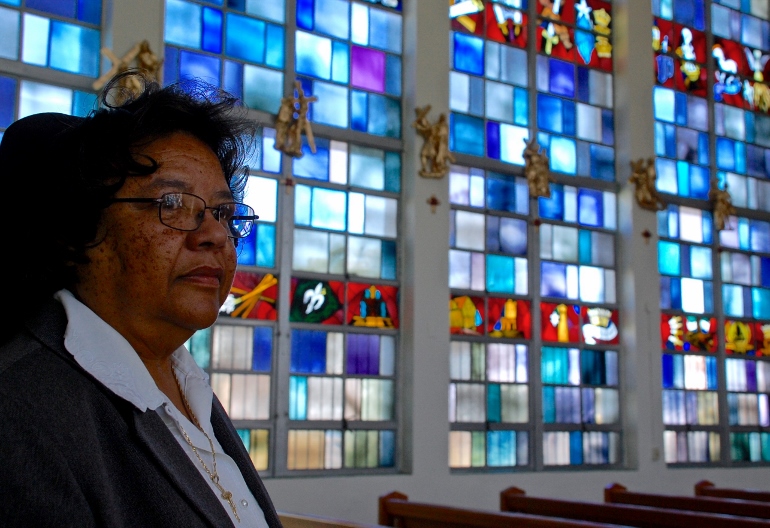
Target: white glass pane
469,230
331,108
499,102
311,251
364,257
367,168
459,88
692,296
381,216
459,269
589,122
328,209
183,23
356,213
37,98
261,194
34,48
9,34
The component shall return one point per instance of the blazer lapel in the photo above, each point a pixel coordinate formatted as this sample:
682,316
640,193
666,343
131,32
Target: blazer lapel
156,438
233,446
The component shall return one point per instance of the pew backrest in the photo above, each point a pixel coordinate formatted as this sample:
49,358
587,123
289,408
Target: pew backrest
515,500
293,520
704,488
395,509
618,494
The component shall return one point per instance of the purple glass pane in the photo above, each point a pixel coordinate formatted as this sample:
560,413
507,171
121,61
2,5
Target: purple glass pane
368,69
363,354
751,376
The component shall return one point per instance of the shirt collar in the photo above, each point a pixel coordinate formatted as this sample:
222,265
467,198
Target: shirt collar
106,355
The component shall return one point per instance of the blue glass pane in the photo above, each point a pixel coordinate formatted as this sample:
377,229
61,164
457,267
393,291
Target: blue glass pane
197,65
233,78
82,103
212,30
549,113
90,11
590,208
393,77
501,193
602,162
467,134
265,245
553,279
553,207
63,8
575,447
668,371
563,155
493,140
332,18
75,48
245,38
468,54
392,172
308,351
171,65
7,100
387,448
183,24
305,14
359,115
247,249
315,166
385,30
700,182
9,34
562,78
340,61
384,116
263,348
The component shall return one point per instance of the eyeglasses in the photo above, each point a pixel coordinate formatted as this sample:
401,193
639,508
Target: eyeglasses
185,212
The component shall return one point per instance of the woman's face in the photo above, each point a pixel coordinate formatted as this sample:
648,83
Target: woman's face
152,283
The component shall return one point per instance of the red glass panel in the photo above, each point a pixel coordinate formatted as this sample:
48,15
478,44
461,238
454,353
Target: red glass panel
509,318
687,332
560,322
252,296
600,326
372,305
466,315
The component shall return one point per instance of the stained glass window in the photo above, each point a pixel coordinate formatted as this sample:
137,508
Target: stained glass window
348,55
63,35
499,105
240,47
344,286
712,135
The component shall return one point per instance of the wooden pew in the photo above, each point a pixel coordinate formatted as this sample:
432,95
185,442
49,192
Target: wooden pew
397,510
293,520
618,494
704,488
514,500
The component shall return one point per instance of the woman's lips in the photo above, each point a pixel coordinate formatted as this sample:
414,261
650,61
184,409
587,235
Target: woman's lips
205,276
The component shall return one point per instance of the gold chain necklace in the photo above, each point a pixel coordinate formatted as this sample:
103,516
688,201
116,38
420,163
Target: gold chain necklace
214,476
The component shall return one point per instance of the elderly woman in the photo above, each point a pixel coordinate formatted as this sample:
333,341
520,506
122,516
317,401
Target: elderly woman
124,245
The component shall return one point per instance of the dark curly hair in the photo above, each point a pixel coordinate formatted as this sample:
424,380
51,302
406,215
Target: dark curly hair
74,167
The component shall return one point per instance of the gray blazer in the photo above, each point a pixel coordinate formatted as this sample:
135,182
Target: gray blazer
72,453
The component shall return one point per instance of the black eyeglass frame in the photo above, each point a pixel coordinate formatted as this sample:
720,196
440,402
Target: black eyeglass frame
216,212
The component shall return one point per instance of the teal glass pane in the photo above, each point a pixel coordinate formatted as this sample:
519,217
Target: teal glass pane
315,166
466,134
359,105
393,76
585,252
9,34
265,245
501,448
760,298
554,365
212,30
549,405
199,346
500,274
562,154
340,62
274,46
668,258
493,403
262,88
388,270
384,116
82,104
387,449
183,23
392,172
332,105
245,38
11,2
313,55
75,49
297,398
